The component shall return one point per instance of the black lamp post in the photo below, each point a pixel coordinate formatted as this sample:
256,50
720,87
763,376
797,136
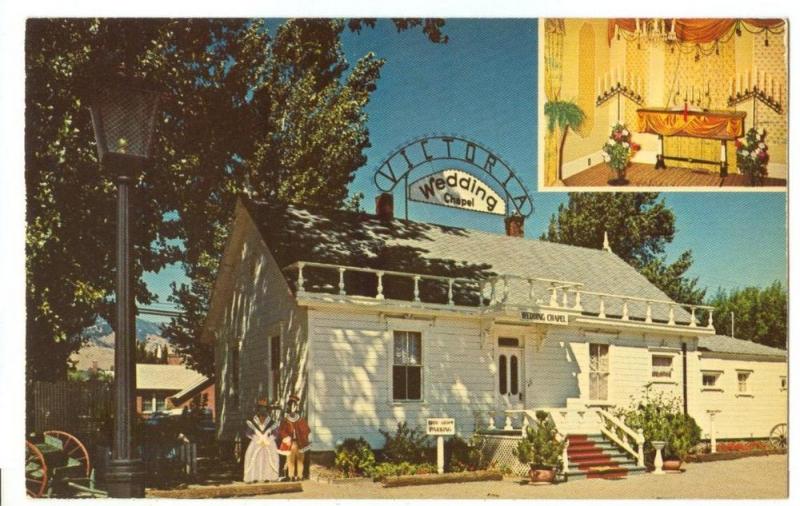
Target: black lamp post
124,123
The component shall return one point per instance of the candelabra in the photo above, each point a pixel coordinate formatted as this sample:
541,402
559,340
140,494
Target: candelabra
756,94
619,90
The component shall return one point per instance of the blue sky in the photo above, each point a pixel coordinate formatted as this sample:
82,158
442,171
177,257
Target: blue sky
482,85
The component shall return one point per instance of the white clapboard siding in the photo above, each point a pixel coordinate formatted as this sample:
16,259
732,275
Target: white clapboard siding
740,416
558,371
350,376
258,305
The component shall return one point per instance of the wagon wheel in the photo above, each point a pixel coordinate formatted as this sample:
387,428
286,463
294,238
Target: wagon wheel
72,448
778,435
35,471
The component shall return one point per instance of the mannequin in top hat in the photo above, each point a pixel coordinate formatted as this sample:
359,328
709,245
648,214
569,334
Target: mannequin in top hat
261,457
293,435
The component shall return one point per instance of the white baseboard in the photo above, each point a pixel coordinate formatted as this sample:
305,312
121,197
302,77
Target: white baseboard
580,164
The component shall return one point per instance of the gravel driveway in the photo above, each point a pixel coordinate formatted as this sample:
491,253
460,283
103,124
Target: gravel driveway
752,477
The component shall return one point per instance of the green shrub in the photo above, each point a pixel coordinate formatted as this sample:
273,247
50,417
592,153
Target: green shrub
405,445
540,446
465,455
354,457
661,418
385,469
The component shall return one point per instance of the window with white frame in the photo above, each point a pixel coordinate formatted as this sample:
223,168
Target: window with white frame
407,366
662,367
743,380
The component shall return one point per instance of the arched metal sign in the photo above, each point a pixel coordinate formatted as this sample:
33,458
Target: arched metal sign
397,167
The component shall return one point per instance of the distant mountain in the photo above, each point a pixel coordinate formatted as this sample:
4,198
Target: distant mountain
98,351
101,329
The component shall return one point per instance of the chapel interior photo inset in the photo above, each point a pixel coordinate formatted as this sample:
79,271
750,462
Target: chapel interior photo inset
633,103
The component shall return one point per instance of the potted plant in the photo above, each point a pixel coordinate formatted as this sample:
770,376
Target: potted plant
565,115
620,148
541,449
661,418
752,155
683,435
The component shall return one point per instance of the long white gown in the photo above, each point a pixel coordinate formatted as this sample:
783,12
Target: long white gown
261,457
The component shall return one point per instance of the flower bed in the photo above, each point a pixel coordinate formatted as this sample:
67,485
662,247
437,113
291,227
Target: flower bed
729,450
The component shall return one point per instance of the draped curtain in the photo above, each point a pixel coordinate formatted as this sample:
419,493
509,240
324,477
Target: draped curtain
698,30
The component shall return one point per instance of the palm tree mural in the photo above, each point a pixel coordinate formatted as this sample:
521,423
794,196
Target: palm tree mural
565,115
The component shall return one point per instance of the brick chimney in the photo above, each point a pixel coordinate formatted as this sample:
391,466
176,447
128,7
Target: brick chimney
384,206
515,225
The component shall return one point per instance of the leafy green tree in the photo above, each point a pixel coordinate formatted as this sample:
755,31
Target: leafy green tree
639,227
759,313
279,119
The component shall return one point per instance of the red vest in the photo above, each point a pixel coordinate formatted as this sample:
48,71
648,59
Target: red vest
297,431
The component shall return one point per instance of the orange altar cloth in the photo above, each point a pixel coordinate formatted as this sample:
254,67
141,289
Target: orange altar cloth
719,125
723,126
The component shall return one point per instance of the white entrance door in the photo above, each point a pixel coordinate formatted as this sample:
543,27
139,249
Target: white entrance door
510,374
598,372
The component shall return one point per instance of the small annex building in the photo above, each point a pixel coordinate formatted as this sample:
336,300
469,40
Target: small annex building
373,320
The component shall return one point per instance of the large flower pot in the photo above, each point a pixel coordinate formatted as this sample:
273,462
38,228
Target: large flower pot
672,465
541,475
620,180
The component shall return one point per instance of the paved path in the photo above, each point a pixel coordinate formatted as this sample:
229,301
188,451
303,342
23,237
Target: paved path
753,477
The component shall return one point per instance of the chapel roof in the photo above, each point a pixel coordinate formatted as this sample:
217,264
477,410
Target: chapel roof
734,346
347,238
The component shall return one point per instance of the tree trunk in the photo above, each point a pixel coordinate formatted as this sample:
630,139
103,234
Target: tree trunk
561,153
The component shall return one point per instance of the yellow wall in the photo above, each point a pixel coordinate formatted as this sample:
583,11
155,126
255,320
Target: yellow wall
666,71
591,138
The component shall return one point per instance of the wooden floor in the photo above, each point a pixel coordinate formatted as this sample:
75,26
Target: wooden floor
640,174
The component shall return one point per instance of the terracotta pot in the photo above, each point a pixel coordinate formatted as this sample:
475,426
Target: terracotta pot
541,475
672,465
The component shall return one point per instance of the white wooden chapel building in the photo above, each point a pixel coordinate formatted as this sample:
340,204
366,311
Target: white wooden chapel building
373,320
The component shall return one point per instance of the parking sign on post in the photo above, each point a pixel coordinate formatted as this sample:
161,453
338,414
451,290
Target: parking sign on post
440,427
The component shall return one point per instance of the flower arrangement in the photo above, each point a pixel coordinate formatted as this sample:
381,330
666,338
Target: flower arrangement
752,155
620,148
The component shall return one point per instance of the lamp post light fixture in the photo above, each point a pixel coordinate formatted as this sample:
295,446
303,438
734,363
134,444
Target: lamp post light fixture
123,117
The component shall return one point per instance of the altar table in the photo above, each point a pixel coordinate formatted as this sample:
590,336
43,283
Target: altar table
718,125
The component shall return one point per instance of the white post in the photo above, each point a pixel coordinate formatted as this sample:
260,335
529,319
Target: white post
416,288
578,305
450,291
649,315
625,316
711,414
659,462
440,455
508,425
602,313
671,315
341,281
491,421
553,297
640,452
693,322
300,280
711,321
379,295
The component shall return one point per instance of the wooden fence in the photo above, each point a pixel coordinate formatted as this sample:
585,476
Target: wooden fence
80,408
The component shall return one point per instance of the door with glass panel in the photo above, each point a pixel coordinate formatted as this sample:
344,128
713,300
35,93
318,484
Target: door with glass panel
598,372
510,376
